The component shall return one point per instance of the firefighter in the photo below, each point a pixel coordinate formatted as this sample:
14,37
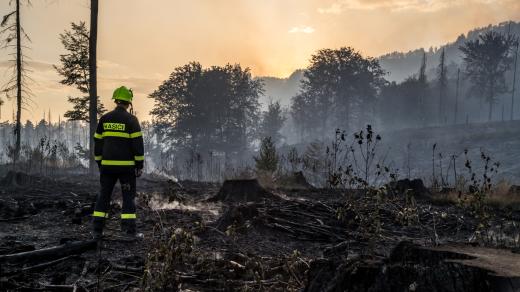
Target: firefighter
119,153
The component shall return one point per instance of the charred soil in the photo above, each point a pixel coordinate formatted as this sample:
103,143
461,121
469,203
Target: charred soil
241,236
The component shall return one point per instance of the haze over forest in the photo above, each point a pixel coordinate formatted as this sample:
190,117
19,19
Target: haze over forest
398,65
201,98
236,32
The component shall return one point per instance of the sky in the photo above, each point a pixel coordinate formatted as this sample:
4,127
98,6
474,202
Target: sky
140,42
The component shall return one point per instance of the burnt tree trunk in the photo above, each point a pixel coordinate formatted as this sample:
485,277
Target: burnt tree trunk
514,83
18,127
456,97
92,51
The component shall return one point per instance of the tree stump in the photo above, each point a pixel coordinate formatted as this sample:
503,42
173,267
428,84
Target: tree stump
294,181
15,178
414,268
238,215
415,186
242,191
514,190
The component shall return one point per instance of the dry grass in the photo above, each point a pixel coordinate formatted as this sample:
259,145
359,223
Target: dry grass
448,198
501,196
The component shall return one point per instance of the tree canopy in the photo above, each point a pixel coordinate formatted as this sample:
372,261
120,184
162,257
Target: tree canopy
487,59
272,121
339,88
208,109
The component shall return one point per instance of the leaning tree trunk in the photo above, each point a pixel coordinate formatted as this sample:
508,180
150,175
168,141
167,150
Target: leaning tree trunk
490,113
456,98
18,127
92,80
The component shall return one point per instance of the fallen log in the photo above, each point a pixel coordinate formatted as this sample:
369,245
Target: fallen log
60,251
50,287
127,268
14,219
39,266
309,229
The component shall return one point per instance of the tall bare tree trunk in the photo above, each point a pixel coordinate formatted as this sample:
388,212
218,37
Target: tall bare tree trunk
92,50
457,97
18,127
442,88
514,83
491,98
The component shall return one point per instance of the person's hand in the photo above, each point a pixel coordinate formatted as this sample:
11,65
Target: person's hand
138,172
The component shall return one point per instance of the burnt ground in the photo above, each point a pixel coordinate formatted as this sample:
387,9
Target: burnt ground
197,237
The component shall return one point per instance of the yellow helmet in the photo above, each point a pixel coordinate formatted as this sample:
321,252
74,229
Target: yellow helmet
124,94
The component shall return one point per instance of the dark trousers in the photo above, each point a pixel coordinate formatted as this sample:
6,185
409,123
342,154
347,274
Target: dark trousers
128,216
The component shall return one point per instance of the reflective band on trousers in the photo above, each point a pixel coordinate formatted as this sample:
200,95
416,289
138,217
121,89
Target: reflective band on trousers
128,216
139,158
100,214
118,162
98,157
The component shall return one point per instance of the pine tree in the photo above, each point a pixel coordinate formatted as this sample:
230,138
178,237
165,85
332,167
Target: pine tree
78,67
272,122
267,160
75,71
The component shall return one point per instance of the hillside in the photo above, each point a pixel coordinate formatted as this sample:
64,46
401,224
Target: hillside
281,89
402,65
499,140
399,65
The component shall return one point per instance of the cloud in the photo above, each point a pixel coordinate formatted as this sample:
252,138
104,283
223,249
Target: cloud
107,64
335,8
398,5
140,85
42,66
302,29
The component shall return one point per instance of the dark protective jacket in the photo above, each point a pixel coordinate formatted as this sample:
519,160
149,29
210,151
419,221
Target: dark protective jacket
119,142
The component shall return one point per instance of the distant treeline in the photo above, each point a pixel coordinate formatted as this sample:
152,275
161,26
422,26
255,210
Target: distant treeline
217,108
212,117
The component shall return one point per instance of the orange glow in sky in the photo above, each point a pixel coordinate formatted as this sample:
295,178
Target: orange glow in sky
140,42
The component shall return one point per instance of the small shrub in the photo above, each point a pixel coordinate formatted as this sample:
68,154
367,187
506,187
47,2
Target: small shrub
267,159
